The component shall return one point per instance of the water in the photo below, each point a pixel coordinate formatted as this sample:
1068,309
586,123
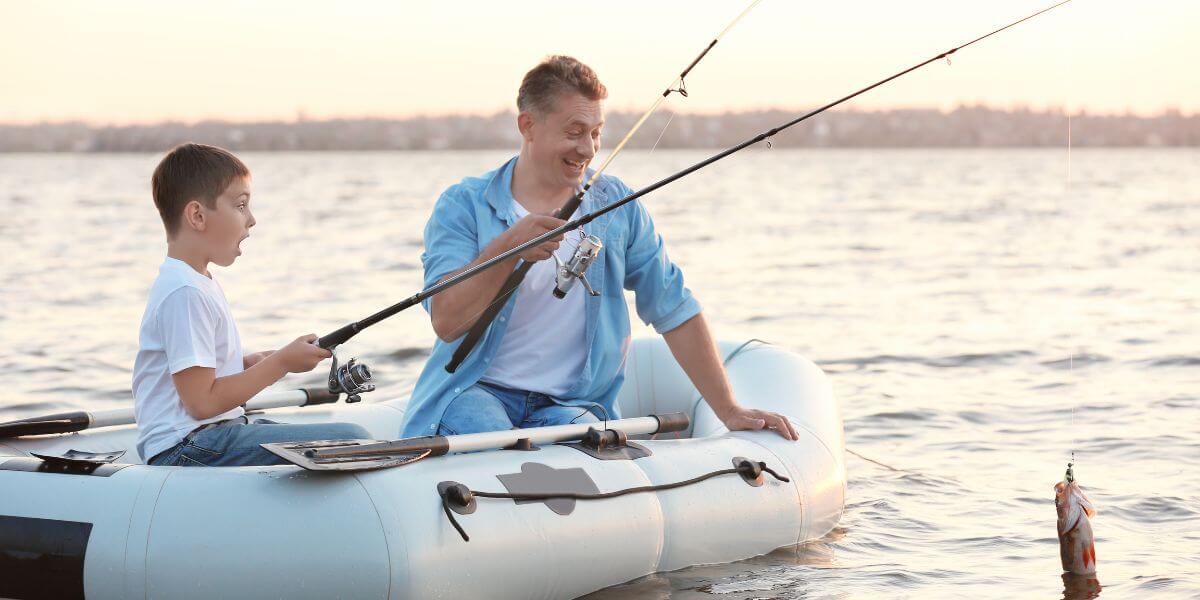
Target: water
979,317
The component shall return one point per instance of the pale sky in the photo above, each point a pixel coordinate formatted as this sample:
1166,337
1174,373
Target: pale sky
135,61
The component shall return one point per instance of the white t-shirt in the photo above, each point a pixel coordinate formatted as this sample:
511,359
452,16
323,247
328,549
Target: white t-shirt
545,345
187,324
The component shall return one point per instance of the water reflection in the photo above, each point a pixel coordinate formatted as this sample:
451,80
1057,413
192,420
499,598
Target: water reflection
1080,587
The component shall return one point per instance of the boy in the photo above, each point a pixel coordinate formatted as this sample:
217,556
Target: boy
190,377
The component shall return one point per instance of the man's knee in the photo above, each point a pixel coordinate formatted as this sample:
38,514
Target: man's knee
348,431
474,411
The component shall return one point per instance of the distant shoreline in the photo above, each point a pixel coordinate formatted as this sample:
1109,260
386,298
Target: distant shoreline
963,127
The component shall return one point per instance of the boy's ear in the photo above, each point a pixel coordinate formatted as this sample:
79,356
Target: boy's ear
193,215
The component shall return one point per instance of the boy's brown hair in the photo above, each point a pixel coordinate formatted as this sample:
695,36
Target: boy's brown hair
557,74
192,172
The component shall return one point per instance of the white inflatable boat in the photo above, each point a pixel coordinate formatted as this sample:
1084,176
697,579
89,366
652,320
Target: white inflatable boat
127,530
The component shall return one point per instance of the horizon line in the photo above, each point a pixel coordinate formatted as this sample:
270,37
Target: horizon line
302,117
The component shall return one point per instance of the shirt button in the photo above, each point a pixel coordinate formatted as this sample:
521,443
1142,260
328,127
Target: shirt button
502,319
457,390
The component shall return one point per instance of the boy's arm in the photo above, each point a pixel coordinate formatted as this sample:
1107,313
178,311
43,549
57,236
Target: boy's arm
249,360
204,395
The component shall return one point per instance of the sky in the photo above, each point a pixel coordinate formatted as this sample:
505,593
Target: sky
141,61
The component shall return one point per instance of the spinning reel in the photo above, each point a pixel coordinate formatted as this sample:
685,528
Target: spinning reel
352,378
573,270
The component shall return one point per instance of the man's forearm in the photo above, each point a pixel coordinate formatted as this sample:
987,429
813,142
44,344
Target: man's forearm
694,349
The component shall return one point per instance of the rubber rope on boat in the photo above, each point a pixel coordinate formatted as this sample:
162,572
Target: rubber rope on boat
463,496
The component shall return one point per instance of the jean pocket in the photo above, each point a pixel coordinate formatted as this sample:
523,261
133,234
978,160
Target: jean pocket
183,460
209,443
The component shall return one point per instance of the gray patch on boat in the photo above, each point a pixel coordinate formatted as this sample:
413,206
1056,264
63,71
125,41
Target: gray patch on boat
536,478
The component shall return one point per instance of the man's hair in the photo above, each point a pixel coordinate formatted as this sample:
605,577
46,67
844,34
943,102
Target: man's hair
192,172
553,76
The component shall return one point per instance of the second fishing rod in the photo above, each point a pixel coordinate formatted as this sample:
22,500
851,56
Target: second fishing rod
348,331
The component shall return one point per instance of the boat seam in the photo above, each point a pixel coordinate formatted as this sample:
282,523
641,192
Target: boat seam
383,530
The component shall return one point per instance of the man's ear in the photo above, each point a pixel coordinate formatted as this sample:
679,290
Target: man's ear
525,123
193,215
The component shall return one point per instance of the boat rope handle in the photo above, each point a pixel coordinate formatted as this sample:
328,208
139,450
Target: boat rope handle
456,495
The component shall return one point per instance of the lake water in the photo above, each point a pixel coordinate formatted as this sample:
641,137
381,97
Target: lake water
982,314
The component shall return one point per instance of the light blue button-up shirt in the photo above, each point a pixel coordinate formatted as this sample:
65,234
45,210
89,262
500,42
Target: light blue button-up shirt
469,215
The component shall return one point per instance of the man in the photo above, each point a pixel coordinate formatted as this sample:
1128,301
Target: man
546,361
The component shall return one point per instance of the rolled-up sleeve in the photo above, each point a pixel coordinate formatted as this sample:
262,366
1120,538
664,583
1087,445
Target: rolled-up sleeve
450,238
662,300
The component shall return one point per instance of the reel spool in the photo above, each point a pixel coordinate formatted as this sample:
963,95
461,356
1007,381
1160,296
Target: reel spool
352,378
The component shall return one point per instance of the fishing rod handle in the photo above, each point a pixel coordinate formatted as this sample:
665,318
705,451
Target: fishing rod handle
338,337
480,327
514,280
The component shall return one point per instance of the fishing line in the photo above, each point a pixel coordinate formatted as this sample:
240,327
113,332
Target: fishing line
1071,361
678,85
348,331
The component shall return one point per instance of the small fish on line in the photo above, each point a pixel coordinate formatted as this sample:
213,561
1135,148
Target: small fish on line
1076,543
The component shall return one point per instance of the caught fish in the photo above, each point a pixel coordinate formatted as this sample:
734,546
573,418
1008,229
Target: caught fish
1075,541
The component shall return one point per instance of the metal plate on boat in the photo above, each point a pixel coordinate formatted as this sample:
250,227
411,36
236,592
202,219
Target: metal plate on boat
301,454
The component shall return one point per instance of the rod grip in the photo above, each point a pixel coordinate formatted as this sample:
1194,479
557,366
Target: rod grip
675,421
480,326
319,395
341,335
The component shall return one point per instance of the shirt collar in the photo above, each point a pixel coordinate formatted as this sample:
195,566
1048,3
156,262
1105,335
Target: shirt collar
500,198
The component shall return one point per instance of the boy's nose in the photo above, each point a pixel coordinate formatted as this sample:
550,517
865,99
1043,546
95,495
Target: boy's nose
250,223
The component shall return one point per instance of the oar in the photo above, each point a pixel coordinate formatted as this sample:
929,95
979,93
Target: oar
358,455
80,420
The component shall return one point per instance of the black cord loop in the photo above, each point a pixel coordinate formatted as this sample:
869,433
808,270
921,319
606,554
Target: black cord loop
462,496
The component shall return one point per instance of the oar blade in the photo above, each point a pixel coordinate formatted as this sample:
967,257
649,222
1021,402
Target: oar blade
302,455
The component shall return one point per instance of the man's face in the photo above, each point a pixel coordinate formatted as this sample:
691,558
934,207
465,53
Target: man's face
564,141
229,223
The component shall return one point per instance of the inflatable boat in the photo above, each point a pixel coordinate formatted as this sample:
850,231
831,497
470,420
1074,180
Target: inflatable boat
128,530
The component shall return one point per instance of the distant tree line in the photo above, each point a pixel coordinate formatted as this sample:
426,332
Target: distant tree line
967,126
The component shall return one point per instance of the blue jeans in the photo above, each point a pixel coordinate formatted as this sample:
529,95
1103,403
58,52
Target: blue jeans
488,407
235,443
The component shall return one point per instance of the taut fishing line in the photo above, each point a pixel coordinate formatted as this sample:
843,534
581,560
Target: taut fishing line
484,319
350,330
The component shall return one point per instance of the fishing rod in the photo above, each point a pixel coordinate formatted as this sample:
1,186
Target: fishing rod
485,320
589,248
341,335
677,85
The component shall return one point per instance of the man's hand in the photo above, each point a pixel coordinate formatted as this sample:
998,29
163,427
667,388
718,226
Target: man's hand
250,360
529,227
750,419
301,355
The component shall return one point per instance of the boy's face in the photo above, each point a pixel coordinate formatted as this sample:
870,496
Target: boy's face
563,142
229,222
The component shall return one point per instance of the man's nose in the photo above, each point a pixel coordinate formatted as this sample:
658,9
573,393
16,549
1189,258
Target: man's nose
587,149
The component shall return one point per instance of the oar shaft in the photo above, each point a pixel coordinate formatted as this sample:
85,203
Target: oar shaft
492,440
81,420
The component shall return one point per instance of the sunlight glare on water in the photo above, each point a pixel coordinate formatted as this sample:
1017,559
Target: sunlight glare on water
979,323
